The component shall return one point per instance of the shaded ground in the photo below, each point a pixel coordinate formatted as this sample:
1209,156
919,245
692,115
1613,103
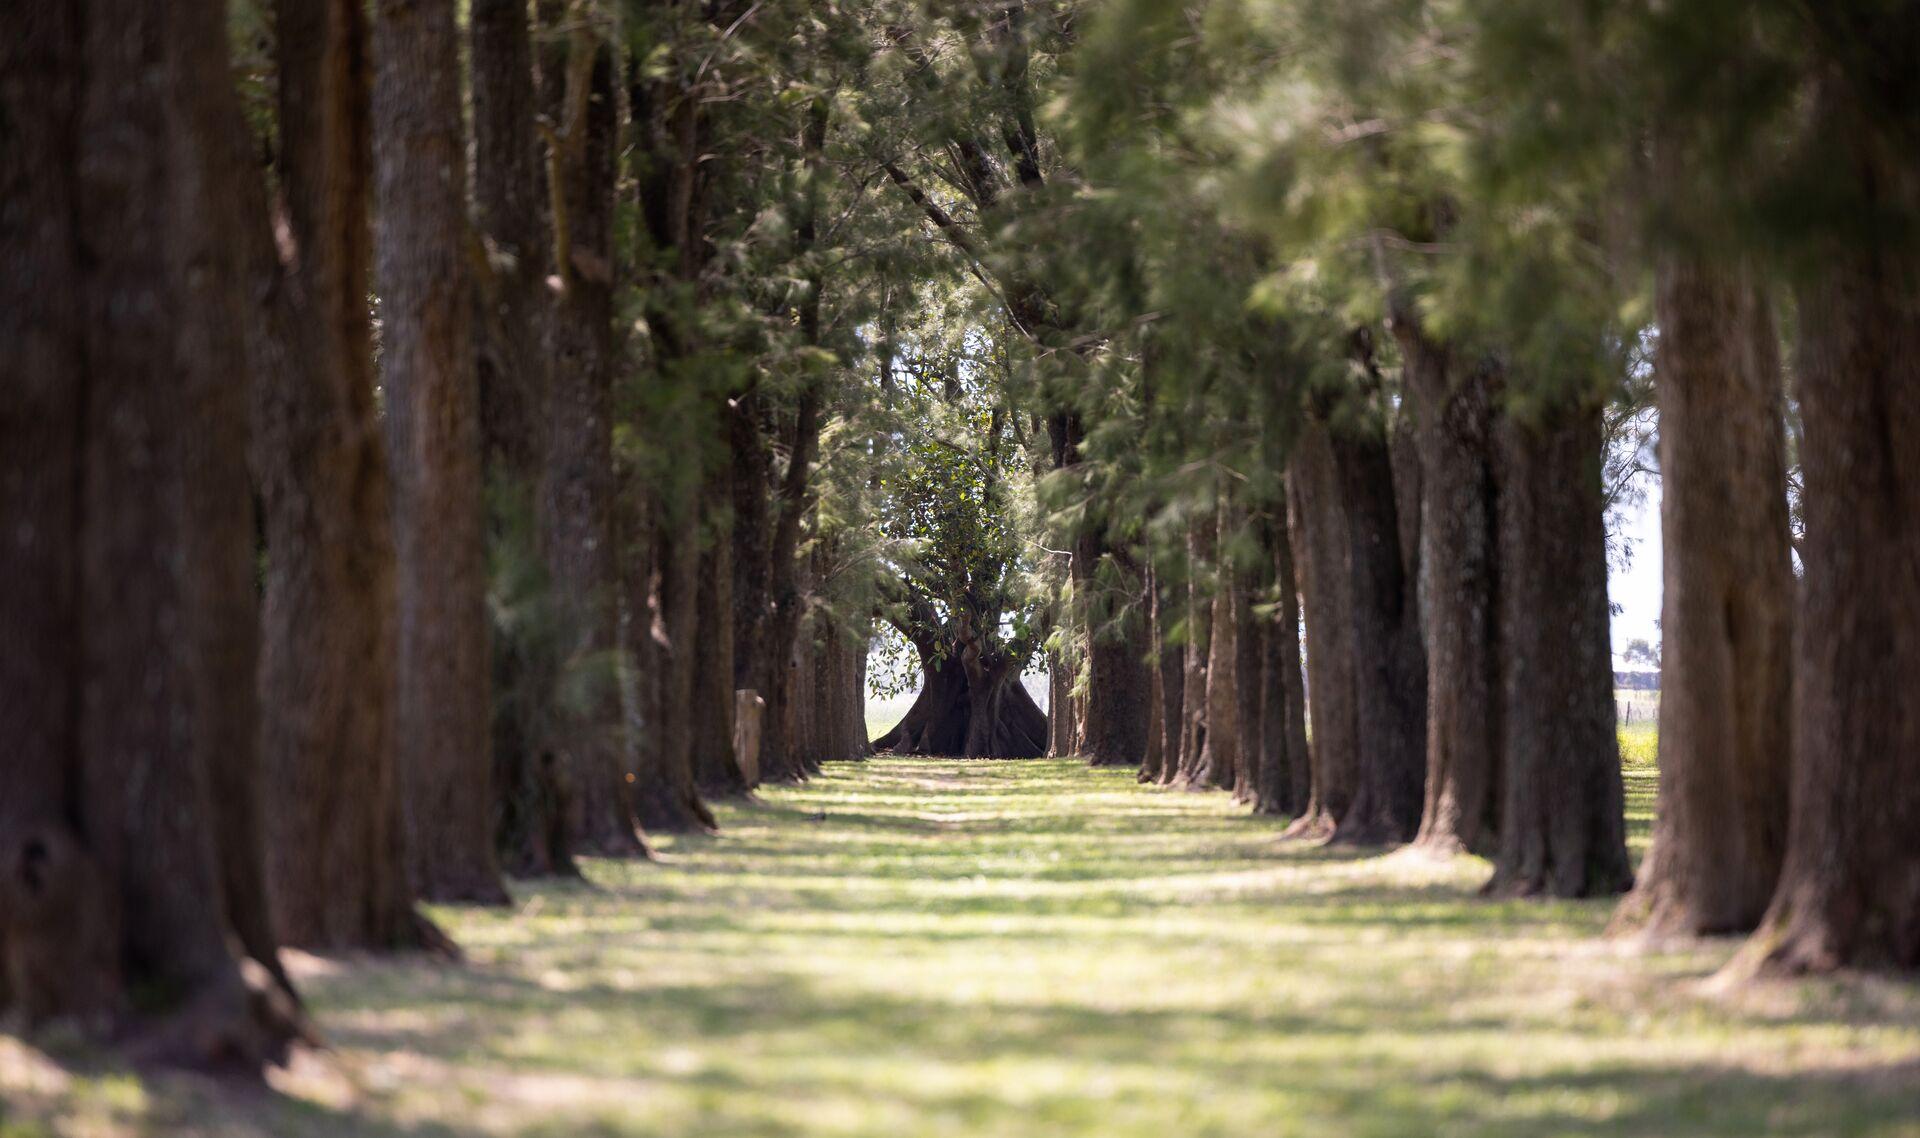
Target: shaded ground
1003,949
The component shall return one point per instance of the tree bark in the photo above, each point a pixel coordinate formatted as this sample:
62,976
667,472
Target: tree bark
509,197
778,763
1562,824
336,866
664,793
1313,481
1061,728
1170,680
1284,785
578,477
1458,554
1389,664
1193,681
1720,831
443,722
969,708
1849,892
1252,584
532,828
716,771
1220,748
120,442
1117,679
750,472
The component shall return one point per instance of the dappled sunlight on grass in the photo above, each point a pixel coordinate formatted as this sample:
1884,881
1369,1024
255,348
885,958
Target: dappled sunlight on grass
945,947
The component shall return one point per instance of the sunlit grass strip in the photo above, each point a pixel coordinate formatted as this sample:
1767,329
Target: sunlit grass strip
1034,948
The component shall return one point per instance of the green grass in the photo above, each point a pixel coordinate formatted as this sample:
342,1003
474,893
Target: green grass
998,950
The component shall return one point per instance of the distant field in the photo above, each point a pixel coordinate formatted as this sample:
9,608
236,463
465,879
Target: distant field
1636,707
882,714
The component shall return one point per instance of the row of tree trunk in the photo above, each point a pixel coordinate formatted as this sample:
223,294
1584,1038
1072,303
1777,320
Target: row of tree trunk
1442,568
1788,731
255,689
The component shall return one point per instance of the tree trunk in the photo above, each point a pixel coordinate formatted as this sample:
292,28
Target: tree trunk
532,828
968,708
1193,682
1250,670
1562,824
1314,483
1849,890
716,771
1453,415
509,192
778,763
578,478
1726,613
443,721
1220,749
1293,579
750,472
1283,780
1170,679
1117,680
664,794
336,866
1154,763
121,452
1061,728
1389,665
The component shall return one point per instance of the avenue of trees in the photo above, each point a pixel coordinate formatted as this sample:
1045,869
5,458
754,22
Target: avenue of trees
419,420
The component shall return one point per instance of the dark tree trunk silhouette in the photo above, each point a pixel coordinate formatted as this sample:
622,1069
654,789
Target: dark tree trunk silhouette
1284,785
1061,726
1720,830
1389,664
1193,680
664,794
778,762
443,722
1562,823
1849,890
752,532
1170,679
124,296
1453,431
510,211
578,478
1326,585
971,705
1220,749
336,866
1251,584
1114,612
716,770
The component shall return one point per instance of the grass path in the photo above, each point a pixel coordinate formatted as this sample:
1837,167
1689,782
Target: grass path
907,948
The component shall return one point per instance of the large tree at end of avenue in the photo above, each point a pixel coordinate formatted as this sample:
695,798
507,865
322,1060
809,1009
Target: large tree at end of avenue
957,598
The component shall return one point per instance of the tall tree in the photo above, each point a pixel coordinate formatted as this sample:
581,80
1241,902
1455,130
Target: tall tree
1325,584
1720,830
336,866
1562,818
125,299
444,717
577,479
1460,610
532,823
1389,663
1848,892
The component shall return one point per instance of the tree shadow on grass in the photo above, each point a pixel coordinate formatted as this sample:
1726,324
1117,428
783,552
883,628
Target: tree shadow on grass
764,1036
